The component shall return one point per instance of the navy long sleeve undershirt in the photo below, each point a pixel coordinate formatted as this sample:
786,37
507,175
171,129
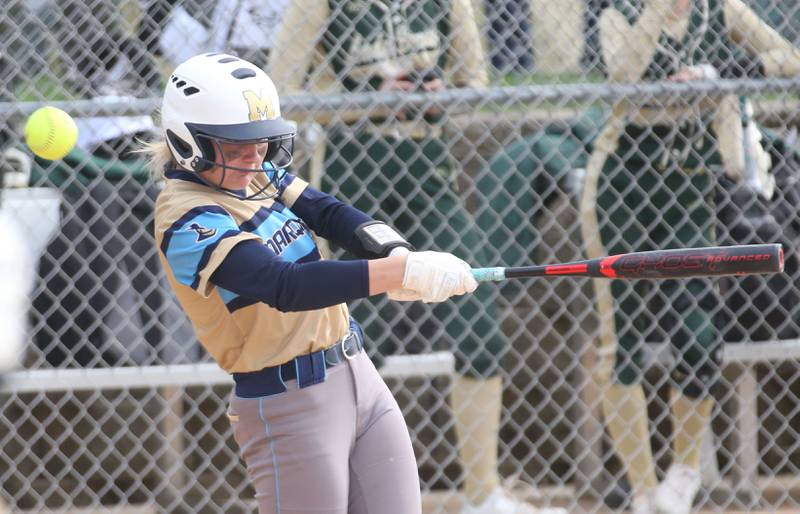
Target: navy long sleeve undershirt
252,270
331,219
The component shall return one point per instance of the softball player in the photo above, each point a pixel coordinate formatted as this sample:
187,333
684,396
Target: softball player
648,185
318,429
398,166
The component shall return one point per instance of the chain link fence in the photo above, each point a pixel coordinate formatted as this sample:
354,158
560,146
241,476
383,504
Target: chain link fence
490,156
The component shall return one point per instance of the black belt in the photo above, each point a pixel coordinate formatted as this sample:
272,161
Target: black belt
307,369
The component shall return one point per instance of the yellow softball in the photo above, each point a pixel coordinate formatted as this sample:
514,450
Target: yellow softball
50,133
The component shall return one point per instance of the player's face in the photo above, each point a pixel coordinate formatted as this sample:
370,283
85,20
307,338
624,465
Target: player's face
246,156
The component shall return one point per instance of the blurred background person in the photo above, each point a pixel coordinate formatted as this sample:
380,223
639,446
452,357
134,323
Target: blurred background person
650,183
397,167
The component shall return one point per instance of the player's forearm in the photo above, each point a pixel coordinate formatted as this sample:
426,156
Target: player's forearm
253,271
465,55
779,57
628,50
386,274
295,44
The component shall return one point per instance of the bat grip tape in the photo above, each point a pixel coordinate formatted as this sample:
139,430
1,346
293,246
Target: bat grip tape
489,274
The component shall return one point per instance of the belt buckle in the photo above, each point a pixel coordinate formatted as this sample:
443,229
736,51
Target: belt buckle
347,356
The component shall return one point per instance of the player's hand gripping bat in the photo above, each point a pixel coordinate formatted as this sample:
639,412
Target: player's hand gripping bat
658,264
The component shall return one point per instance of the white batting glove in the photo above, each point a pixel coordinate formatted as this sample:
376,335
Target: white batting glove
437,276
402,295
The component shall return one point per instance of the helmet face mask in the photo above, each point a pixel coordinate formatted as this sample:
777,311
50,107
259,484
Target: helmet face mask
215,99
273,164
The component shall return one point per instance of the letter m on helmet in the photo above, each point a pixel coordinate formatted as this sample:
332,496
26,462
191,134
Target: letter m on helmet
260,108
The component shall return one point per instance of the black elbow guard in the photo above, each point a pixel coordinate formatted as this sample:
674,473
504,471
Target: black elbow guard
377,239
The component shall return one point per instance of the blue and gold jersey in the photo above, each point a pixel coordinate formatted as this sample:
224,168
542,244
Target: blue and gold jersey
196,227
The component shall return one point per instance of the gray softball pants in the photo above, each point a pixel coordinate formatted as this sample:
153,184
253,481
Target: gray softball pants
338,447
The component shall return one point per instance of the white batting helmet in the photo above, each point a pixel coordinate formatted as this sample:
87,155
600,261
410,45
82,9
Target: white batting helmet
217,97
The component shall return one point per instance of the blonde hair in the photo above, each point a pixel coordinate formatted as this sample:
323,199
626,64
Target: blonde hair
158,157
